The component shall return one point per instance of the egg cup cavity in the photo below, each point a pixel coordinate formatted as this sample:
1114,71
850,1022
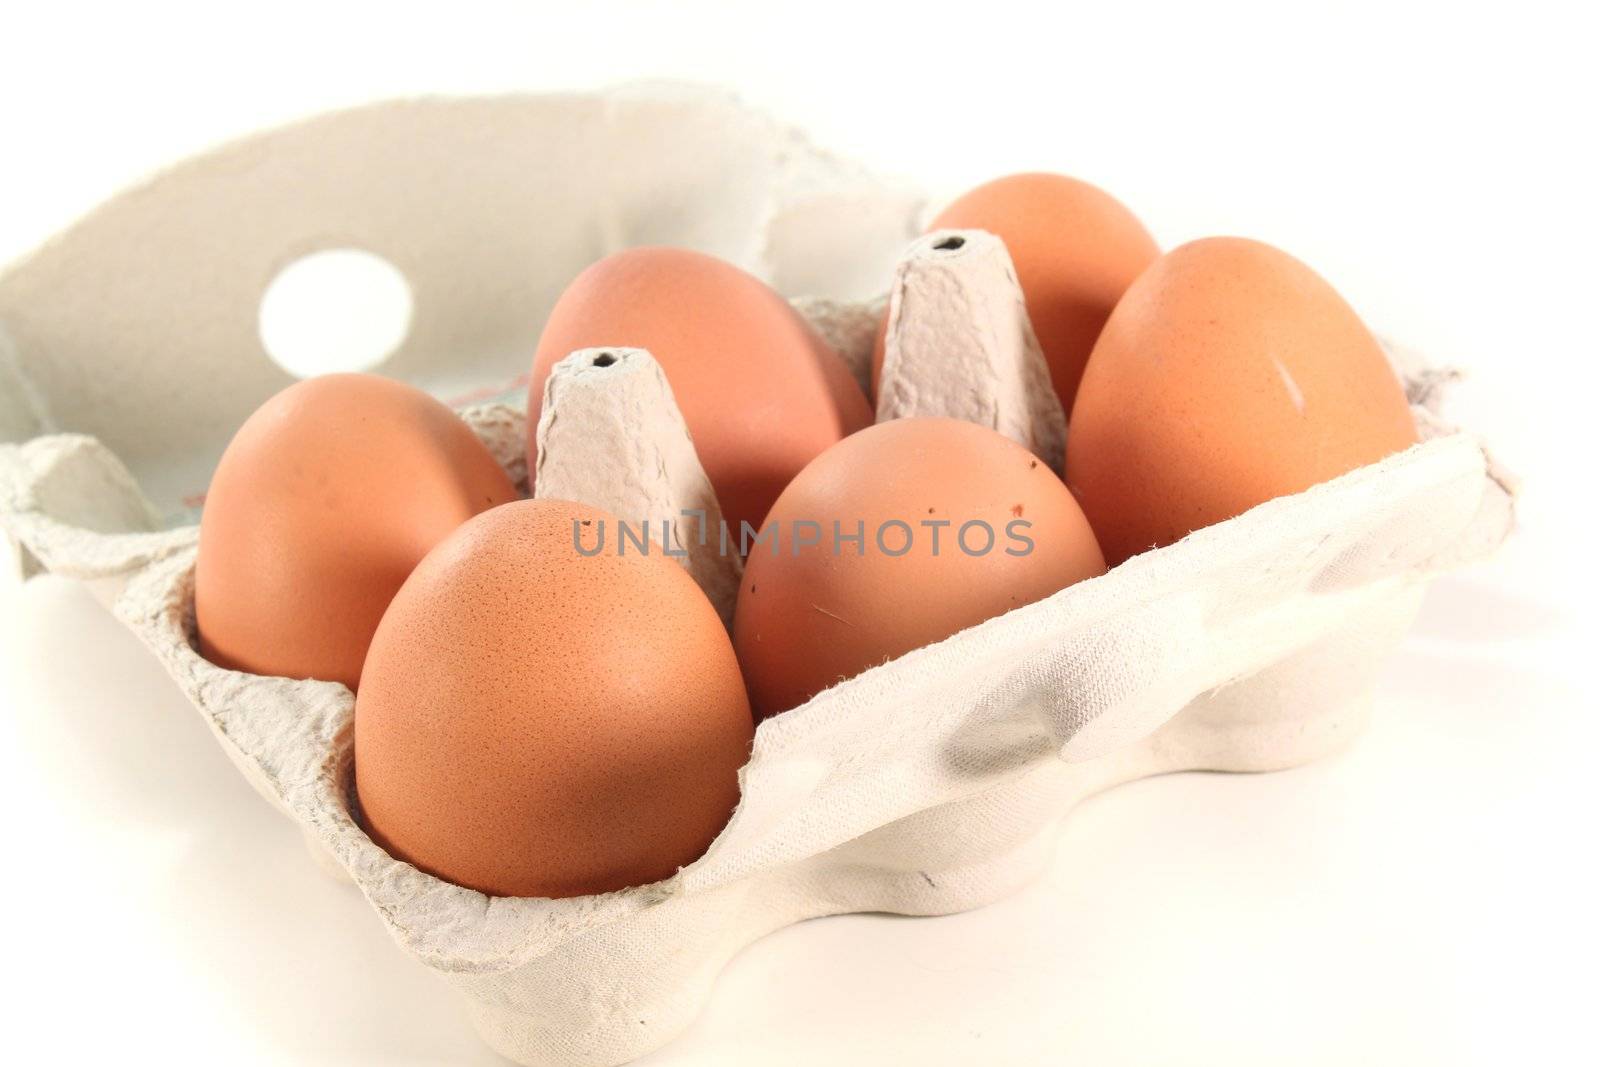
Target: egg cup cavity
850,327
930,784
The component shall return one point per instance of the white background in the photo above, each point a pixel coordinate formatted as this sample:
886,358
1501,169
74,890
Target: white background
1426,898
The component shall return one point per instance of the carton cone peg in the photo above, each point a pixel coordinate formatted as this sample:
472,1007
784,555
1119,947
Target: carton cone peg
959,344
610,435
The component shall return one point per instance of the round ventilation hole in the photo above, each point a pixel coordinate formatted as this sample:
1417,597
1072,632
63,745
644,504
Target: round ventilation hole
341,309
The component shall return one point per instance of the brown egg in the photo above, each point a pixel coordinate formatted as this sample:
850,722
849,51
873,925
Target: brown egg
761,392
537,722
324,501
1076,249
958,524
1229,374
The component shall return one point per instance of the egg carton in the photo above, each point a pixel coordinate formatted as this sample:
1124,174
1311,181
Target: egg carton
931,784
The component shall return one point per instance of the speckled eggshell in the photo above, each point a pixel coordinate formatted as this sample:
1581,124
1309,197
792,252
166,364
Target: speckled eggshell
326,498
761,392
808,617
1076,249
1229,374
536,722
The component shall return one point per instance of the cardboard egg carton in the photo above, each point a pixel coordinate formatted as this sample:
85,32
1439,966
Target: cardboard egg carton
931,784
